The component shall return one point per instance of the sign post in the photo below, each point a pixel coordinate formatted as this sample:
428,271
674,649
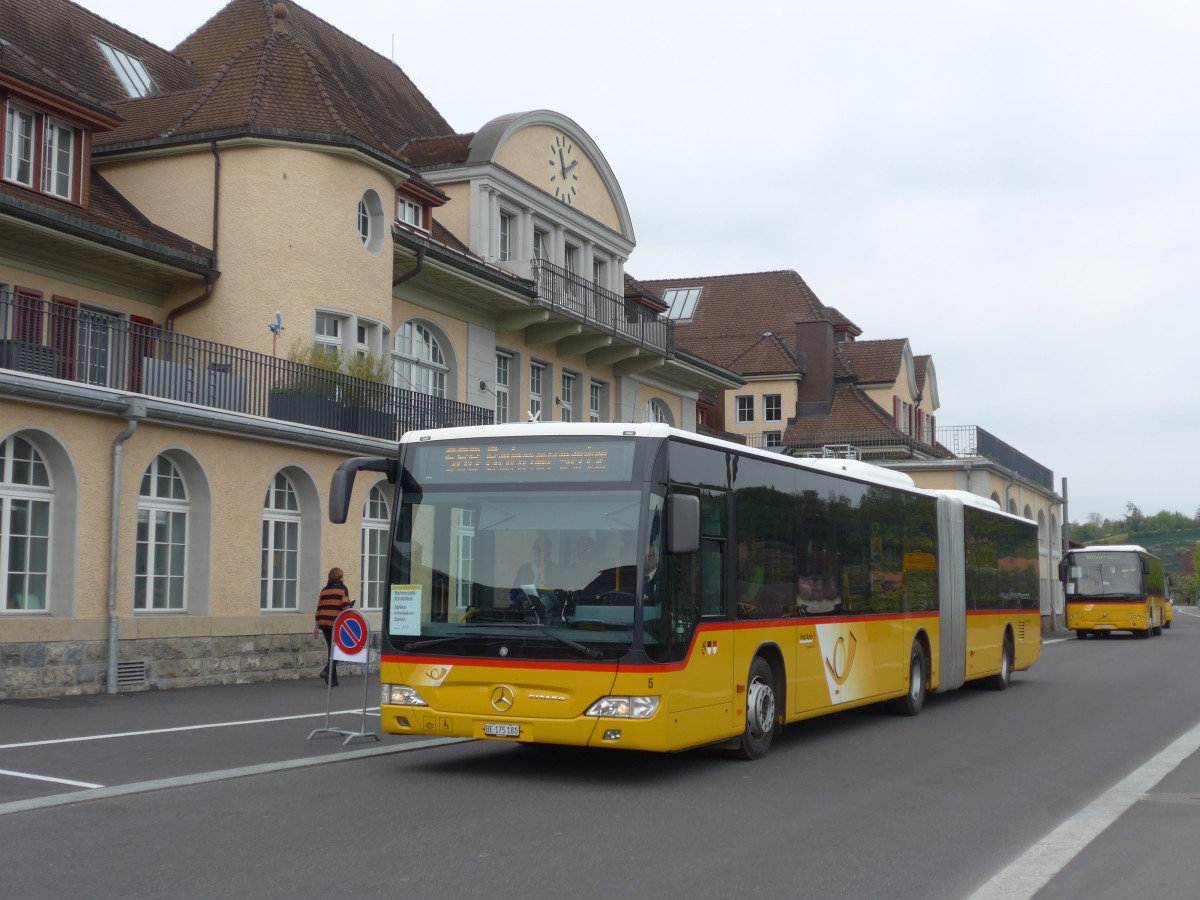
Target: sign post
351,643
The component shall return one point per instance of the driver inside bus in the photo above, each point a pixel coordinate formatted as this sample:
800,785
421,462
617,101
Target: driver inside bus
535,576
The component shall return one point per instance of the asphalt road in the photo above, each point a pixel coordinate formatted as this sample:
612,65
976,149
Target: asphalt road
1082,780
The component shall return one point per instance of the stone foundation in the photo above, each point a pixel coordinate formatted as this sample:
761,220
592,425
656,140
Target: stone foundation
34,670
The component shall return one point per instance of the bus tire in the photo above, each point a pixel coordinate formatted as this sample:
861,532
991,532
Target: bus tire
910,704
1080,633
1001,679
760,712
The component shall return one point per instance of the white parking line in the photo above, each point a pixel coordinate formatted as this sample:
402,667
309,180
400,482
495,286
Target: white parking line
1033,869
104,737
82,784
144,787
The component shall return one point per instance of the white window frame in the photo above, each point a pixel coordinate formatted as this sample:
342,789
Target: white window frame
369,221
280,573
537,380
376,522
539,243
744,408
595,401
657,411
504,364
162,500
566,402
56,170
20,131
504,237
34,494
769,414
418,363
410,212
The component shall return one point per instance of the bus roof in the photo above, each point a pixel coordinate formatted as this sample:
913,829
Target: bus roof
1111,548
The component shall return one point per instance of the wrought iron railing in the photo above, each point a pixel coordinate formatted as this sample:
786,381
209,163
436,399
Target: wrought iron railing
576,297
971,440
840,443
60,340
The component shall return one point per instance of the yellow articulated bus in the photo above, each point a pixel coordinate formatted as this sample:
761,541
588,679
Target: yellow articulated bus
640,587
1115,588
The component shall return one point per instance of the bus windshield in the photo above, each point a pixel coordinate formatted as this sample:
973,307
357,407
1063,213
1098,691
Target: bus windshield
547,573
1110,575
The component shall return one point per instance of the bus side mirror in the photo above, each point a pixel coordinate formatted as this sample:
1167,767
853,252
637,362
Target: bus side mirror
341,486
1062,570
683,523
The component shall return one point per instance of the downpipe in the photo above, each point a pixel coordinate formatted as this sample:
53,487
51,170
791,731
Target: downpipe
135,413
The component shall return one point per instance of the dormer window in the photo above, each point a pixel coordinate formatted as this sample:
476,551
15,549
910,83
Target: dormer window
40,152
410,212
130,70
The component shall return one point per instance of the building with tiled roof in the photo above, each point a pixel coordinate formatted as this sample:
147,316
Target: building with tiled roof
810,381
228,266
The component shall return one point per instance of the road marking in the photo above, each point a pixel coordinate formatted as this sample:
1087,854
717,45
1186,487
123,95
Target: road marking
123,734
162,784
1033,869
82,784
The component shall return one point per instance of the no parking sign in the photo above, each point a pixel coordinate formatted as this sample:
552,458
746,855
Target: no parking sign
350,636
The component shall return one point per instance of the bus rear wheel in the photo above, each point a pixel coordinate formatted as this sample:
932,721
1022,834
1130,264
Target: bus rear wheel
760,712
910,704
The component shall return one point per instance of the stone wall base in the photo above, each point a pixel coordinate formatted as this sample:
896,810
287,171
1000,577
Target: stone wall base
30,671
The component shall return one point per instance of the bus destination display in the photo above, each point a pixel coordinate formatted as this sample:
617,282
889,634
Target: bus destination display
523,461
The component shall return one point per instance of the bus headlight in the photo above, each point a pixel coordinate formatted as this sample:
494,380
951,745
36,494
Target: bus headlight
624,707
401,695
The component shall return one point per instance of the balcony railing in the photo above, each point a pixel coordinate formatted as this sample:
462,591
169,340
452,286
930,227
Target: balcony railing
844,444
60,340
577,298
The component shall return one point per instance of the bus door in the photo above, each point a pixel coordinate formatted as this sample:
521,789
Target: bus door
694,631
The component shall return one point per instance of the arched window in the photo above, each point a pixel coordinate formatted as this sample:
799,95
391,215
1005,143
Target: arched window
996,500
160,551
280,545
1012,506
374,549
1028,512
418,363
25,504
657,411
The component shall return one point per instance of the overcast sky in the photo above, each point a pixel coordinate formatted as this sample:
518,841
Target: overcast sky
1011,185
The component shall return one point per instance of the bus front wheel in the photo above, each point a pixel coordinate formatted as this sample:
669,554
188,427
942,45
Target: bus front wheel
910,704
760,712
1001,679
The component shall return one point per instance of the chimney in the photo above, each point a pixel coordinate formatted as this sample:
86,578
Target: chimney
814,355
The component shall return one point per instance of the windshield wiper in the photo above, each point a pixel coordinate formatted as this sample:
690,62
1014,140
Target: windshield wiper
421,645
589,652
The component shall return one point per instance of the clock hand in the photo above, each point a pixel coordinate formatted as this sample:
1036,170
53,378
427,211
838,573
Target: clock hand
562,163
573,164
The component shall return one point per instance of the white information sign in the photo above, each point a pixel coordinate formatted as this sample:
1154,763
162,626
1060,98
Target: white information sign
406,610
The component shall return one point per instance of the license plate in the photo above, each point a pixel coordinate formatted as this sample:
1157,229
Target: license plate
493,729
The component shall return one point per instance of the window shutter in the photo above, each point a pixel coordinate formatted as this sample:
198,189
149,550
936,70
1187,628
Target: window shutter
27,315
141,348
895,410
64,314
